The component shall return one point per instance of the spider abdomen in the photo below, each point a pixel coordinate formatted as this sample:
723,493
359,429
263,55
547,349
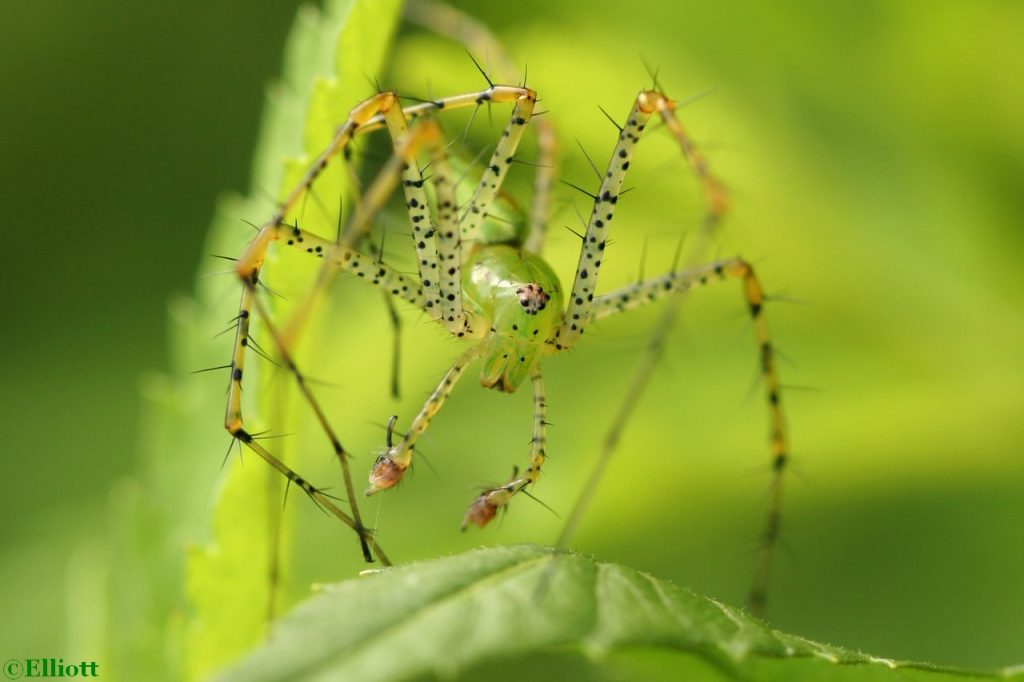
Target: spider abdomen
516,298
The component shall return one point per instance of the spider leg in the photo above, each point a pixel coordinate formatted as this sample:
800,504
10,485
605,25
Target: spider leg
234,424
497,168
338,257
419,212
443,285
248,265
439,260
486,505
393,463
497,94
647,103
366,117
449,245
335,253
642,293
379,111
366,266
476,37
584,307
425,133
451,228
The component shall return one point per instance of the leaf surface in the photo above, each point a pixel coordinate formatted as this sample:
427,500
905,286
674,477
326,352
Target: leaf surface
228,578
478,615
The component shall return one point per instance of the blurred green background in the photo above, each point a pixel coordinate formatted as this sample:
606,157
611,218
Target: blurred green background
875,155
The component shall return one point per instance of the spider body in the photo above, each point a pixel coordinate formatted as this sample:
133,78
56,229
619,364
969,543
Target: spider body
484,281
512,303
515,298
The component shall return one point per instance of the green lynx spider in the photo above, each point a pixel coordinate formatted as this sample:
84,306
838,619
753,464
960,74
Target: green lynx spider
498,294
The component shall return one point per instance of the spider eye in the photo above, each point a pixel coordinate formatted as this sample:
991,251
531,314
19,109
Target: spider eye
533,298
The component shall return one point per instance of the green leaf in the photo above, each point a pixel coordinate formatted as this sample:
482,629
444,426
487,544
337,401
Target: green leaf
478,616
229,593
188,554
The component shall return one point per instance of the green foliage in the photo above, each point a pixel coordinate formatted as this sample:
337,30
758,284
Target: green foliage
229,520
230,589
473,614
875,156
479,616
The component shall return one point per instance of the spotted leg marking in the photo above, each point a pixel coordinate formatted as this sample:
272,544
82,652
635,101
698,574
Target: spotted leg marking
584,287
596,236
641,293
389,468
248,268
477,38
501,159
365,266
717,201
421,134
357,227
636,295
486,506
234,424
419,210
498,94
449,245
367,116
248,265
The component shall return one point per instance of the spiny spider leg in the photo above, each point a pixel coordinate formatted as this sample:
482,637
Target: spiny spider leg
393,463
389,468
484,507
639,294
498,94
248,270
364,265
584,308
442,286
360,222
248,265
236,428
339,450
449,245
501,159
450,230
419,215
406,146
647,103
382,107
476,37
366,117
